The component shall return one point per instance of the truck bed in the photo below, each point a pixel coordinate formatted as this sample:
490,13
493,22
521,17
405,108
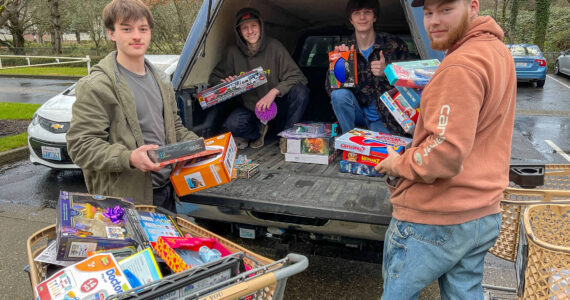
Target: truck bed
302,190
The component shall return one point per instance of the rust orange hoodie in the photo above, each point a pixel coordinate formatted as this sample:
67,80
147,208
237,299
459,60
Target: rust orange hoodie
458,165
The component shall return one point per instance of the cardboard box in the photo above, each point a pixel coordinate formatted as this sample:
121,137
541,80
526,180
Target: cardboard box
370,143
401,110
166,248
362,159
311,158
226,90
82,228
413,74
343,69
205,172
246,170
96,277
318,146
358,169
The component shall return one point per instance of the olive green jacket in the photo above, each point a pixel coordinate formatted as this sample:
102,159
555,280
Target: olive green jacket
105,130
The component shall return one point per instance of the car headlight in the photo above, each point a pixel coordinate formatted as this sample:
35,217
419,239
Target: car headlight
35,119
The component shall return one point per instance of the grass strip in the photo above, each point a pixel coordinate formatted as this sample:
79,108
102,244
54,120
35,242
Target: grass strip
47,71
13,141
17,111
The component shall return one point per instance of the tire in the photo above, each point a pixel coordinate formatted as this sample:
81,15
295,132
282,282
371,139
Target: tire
556,68
540,83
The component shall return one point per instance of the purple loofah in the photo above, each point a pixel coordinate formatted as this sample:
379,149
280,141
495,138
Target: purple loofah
268,114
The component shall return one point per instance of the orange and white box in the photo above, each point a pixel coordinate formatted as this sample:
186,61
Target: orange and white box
205,172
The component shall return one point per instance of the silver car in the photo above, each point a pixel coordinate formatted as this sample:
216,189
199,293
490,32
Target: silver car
562,64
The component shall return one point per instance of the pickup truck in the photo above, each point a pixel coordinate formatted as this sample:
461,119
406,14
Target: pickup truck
318,200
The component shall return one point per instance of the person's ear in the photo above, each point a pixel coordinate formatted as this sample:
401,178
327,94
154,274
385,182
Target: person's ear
111,34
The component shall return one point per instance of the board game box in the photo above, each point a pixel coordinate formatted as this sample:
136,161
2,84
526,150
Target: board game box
370,143
413,74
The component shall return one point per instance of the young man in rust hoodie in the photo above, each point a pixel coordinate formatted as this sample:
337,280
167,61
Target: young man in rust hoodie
449,183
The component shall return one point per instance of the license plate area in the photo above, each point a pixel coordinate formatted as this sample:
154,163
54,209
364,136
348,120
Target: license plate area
51,153
521,65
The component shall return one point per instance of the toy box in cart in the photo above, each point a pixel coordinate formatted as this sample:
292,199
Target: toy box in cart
370,143
413,74
226,90
201,173
88,223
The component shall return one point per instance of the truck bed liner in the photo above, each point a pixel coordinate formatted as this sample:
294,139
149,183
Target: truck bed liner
305,190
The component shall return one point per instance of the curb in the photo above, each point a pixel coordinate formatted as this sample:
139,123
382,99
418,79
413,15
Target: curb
42,77
14,155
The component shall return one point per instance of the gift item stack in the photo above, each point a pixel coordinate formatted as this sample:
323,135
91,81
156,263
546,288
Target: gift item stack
311,143
105,246
363,149
409,78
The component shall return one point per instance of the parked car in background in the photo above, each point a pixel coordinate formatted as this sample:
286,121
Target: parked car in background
46,132
562,64
530,63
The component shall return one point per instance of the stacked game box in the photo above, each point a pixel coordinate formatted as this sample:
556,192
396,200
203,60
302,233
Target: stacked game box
409,78
226,90
364,149
310,143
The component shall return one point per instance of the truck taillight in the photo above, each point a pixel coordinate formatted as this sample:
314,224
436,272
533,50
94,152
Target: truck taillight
541,62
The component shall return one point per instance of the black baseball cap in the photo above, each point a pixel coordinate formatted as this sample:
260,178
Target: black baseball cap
246,14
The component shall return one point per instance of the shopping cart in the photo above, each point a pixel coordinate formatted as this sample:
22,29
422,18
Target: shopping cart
555,188
242,274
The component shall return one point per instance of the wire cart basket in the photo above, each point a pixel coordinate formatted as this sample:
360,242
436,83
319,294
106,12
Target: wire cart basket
555,189
544,270
262,278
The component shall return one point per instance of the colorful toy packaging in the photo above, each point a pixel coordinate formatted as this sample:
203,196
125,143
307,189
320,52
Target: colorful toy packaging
173,251
88,223
96,277
201,173
401,110
361,159
411,95
358,169
226,90
169,154
310,142
412,74
342,69
370,143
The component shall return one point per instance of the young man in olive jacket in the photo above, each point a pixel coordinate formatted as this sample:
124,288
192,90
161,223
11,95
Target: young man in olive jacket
286,84
125,107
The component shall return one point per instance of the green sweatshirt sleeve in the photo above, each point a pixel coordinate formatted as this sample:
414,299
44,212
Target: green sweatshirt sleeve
88,135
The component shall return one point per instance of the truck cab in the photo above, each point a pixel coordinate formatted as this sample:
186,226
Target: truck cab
318,200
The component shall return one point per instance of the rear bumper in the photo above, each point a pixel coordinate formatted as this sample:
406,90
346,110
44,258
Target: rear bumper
531,75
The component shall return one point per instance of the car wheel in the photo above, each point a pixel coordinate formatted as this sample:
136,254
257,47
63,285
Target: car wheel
556,70
540,83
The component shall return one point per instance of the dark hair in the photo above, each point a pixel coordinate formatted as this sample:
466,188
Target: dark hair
126,10
354,5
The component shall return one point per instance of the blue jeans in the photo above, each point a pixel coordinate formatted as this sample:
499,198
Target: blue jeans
243,123
349,113
416,254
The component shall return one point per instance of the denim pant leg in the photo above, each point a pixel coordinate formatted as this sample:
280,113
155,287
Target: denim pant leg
243,123
347,109
417,254
297,100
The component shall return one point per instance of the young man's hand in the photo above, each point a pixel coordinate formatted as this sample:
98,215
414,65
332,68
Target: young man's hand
266,101
387,165
139,159
378,66
229,78
343,47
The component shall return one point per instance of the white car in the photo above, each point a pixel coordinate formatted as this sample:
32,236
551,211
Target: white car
562,64
46,132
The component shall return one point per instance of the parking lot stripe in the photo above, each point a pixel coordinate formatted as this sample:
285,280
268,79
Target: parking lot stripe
562,83
558,150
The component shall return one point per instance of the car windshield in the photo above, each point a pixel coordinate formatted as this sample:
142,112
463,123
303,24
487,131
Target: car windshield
519,50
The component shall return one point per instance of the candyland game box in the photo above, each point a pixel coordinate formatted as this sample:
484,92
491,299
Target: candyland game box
96,277
204,172
342,69
88,223
370,143
226,90
413,74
